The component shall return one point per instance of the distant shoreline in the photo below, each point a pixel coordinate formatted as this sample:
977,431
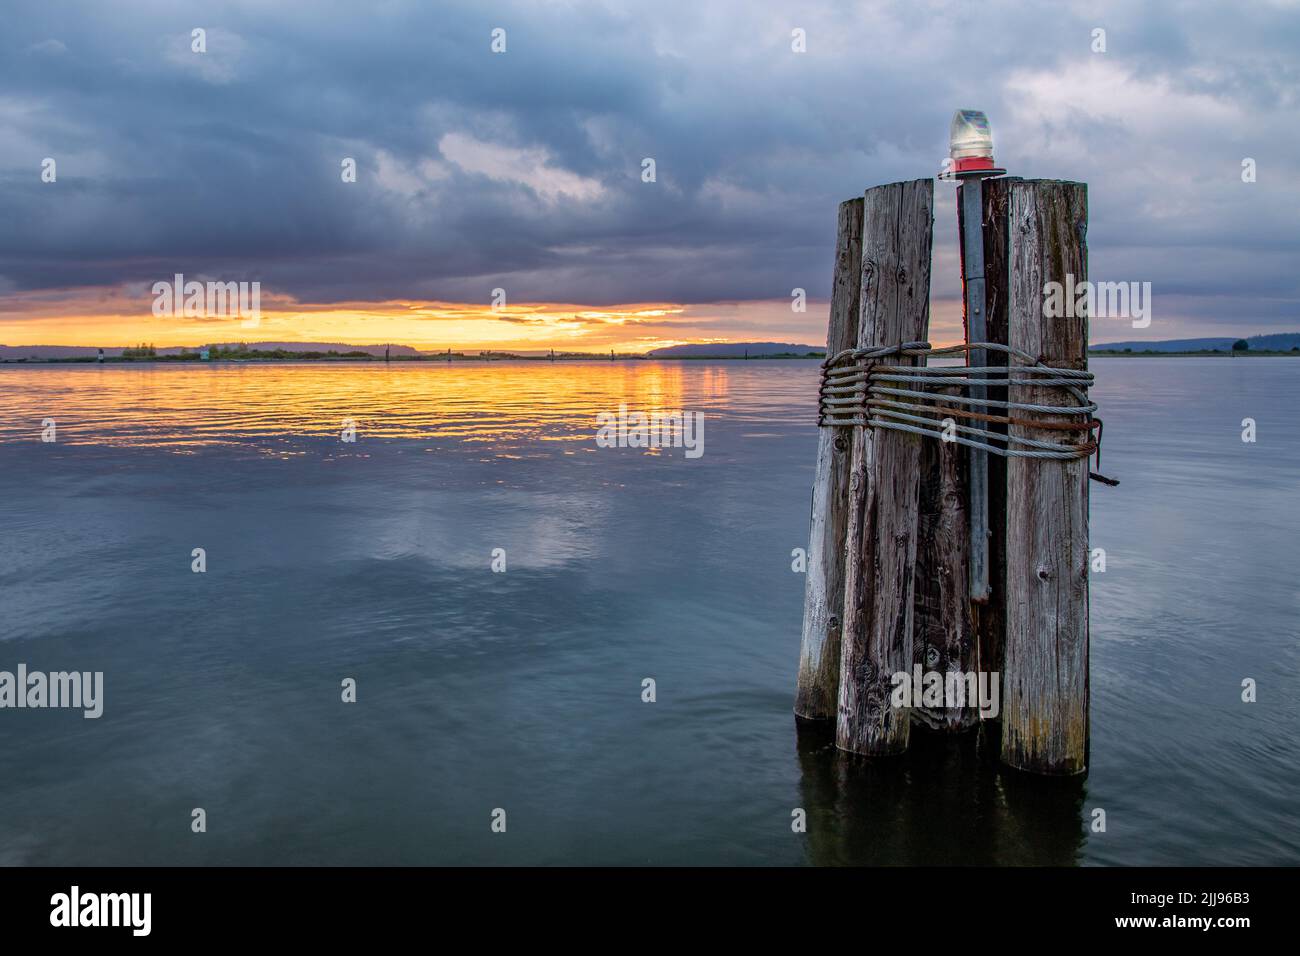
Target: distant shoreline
367,359
457,358
1203,353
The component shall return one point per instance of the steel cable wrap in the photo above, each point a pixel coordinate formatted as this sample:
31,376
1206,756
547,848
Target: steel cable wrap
860,387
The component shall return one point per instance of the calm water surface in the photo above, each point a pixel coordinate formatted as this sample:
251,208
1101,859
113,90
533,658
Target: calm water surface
522,690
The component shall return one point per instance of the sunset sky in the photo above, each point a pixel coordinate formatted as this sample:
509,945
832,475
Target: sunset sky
522,170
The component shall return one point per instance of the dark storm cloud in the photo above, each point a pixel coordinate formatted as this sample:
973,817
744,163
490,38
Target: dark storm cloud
522,170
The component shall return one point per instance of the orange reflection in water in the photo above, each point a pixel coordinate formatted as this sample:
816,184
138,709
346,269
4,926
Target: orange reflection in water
502,403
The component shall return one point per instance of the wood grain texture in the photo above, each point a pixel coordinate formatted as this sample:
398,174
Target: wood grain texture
1045,704
944,632
819,653
880,553
990,615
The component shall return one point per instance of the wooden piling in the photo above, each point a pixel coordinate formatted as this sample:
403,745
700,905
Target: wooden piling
876,638
944,634
989,614
819,654
1045,702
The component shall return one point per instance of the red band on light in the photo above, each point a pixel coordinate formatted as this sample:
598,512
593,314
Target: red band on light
972,162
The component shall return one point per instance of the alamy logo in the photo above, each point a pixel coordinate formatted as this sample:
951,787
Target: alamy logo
70,689
103,909
195,299
952,689
651,430
1102,300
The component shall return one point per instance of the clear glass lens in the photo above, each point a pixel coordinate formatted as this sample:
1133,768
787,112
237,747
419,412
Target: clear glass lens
970,135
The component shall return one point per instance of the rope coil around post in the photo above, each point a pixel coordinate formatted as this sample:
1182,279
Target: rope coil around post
860,387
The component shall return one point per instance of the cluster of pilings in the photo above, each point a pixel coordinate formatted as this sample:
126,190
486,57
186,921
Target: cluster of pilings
932,554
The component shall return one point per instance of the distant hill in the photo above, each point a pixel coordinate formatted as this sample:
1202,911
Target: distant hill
11,353
735,350
1277,342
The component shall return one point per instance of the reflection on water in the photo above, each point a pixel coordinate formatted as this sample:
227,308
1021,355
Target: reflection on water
507,404
948,802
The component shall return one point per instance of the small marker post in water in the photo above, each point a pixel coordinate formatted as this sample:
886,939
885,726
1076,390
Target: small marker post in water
998,530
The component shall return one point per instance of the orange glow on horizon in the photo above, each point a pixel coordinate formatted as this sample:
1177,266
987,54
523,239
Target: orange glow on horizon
111,321
121,317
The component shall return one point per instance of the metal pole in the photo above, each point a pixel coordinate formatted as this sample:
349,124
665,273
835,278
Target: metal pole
972,208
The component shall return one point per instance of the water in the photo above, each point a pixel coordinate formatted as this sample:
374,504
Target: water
522,690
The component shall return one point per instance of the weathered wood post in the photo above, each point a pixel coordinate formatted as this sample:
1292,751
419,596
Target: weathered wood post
876,638
1045,705
819,653
989,613
944,633
959,621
